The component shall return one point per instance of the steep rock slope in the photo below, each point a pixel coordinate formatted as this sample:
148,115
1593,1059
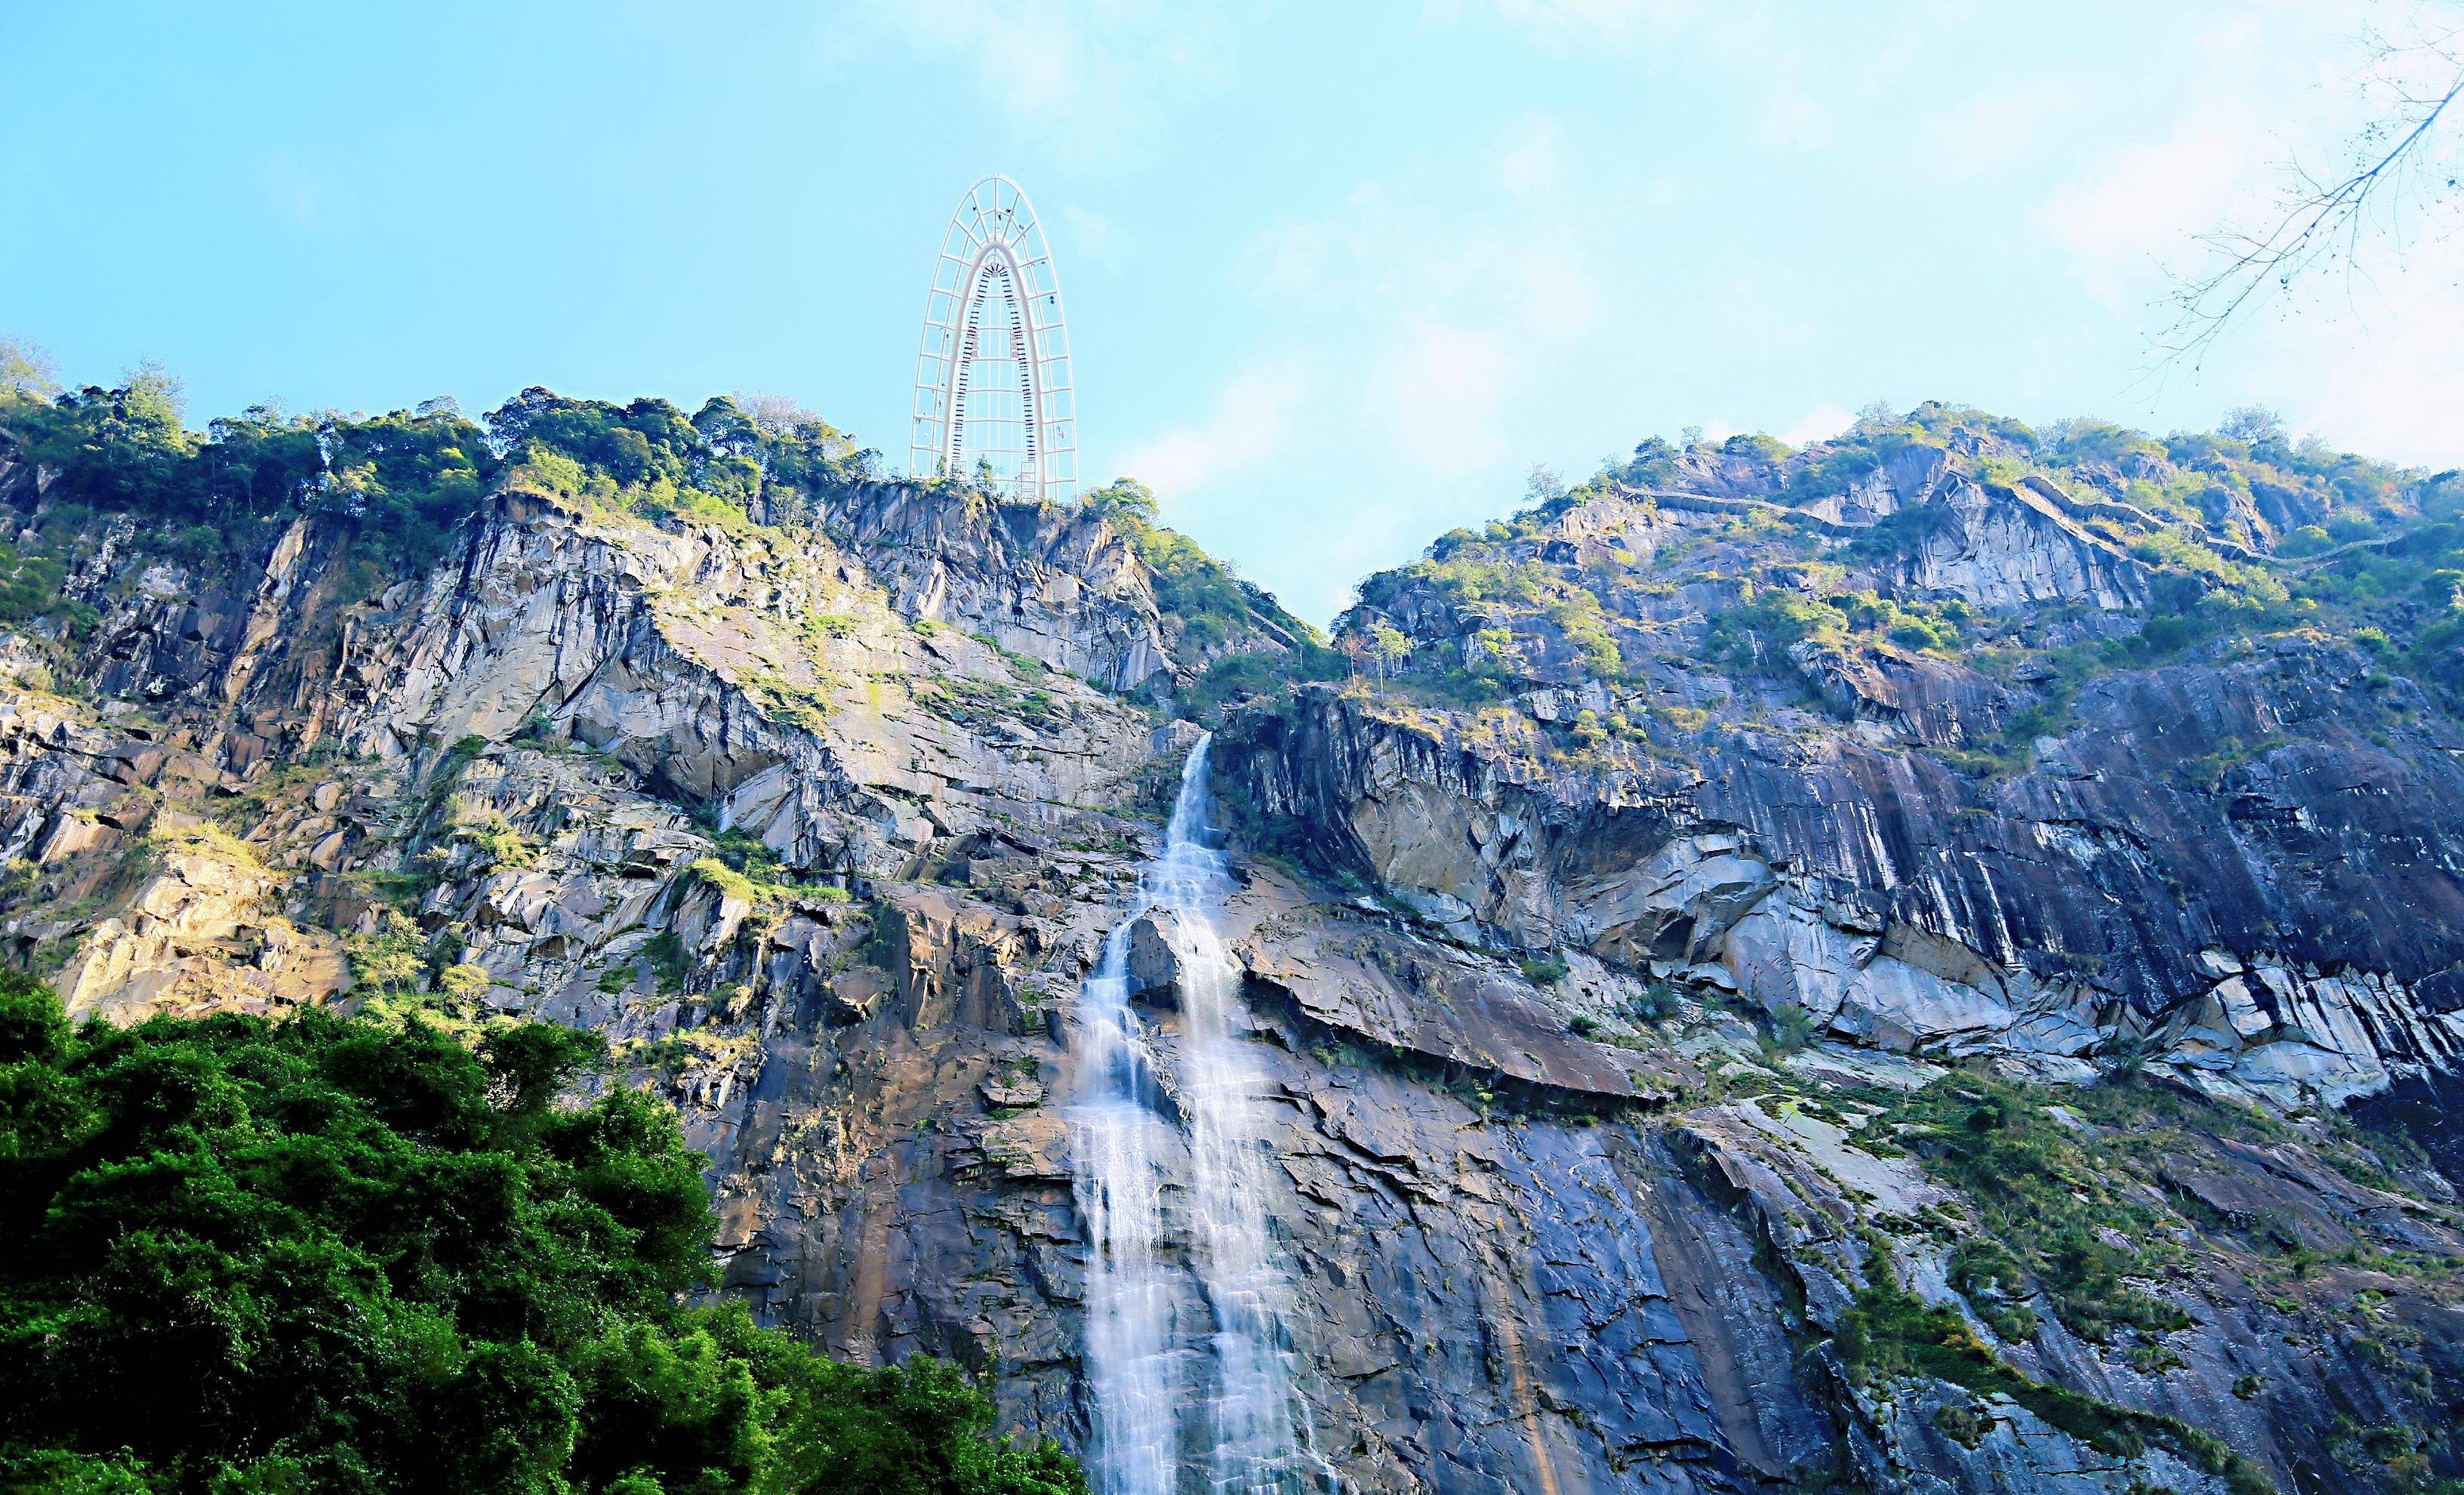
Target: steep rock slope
2072,755
1612,998
1860,756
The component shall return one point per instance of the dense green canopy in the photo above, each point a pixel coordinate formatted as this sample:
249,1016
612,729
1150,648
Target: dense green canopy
326,1255
408,475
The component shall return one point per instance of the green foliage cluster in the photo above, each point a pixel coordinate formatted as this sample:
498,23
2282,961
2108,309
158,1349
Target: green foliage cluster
1188,583
975,703
2394,592
2407,594
1479,685
1213,606
2198,595
1839,467
2052,1202
2354,489
1835,466
326,1255
2383,569
1654,465
719,464
1758,633
1583,626
668,960
30,587
1257,671
1464,577
1466,572
727,880
1901,532
1889,1332
389,960
495,839
2086,440
746,868
752,856
1962,426
1791,1028
1920,625
410,475
1758,447
1992,1280
26,371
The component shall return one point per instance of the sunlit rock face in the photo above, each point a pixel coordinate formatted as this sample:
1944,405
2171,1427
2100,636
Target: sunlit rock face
1604,1081
2291,931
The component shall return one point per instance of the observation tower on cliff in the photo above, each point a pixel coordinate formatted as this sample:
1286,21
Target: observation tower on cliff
993,396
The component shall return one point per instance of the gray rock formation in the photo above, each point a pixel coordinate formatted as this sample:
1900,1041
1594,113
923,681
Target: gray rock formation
1055,584
2272,933
1629,1043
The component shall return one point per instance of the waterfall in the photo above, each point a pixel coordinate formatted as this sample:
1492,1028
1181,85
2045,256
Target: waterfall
1228,1392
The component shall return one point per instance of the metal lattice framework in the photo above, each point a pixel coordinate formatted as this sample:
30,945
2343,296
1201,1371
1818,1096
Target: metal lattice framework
993,396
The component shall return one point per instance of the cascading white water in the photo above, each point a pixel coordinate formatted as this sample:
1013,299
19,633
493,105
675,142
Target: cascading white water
1114,1153
1240,1380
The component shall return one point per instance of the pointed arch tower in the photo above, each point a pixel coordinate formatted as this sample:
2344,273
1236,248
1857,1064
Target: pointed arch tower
993,395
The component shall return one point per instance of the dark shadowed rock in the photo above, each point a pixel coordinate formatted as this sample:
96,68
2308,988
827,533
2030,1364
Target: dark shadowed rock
1155,970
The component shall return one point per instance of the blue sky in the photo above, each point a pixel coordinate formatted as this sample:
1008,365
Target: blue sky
1338,275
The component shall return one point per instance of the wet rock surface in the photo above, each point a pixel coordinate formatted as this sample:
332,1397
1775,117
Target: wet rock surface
2282,928
1612,1102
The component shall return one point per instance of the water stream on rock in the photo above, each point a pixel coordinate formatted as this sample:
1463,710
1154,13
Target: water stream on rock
1233,1376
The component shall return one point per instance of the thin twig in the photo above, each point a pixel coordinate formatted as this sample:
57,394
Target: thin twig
2320,221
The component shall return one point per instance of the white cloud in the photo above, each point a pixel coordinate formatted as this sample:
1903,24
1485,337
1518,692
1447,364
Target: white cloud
1376,531
297,191
1094,79
1095,237
1248,429
2373,357
1793,90
1793,116
1529,167
1437,395
2140,208
1819,424
1425,318
1753,309
2257,90
1566,24
2367,359
1997,128
1443,295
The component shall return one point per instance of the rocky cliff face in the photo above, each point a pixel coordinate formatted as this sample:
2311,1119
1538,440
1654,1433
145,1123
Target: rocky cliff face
2283,926
1060,586
1702,1052
1893,757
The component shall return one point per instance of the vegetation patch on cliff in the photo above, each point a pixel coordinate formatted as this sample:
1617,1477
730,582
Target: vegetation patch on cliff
1213,611
1726,556
324,1254
1888,1333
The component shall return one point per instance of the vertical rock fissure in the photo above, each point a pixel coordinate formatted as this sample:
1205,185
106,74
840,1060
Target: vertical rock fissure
1246,1431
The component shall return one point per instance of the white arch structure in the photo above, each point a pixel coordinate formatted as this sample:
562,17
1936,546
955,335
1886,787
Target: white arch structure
992,383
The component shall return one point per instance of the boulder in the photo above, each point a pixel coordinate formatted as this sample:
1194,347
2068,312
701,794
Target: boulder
1153,966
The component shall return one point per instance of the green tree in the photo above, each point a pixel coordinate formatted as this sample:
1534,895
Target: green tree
1391,646
322,1255
26,371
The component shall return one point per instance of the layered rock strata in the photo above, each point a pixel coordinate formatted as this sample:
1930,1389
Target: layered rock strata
1606,1095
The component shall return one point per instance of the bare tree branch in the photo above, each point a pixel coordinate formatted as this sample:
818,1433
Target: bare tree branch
2319,221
